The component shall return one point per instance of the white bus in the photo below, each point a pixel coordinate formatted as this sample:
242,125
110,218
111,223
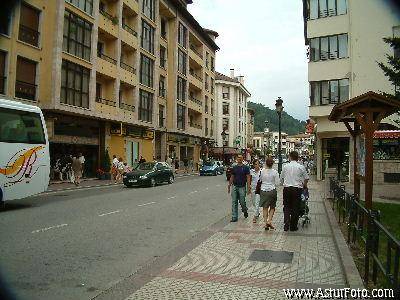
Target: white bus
24,151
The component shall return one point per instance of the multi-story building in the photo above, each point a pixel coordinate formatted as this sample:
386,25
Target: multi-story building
124,75
250,127
302,143
232,97
345,43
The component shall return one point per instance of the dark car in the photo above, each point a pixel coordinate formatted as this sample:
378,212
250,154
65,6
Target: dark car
210,168
149,174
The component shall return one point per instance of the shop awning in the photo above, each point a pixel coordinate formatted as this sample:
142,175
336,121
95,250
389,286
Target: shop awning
220,150
387,134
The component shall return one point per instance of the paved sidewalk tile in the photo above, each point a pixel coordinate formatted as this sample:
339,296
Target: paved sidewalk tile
220,268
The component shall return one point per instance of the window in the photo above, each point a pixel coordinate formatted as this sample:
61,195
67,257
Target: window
212,127
332,47
3,77
148,9
163,59
329,92
161,87
206,127
212,64
225,108
25,86
163,28
206,82
326,8
5,25
180,121
29,25
147,41
212,107
212,86
21,127
77,36
181,89
146,70
161,117
225,92
206,104
145,106
225,124
207,58
181,61
85,5
182,35
74,84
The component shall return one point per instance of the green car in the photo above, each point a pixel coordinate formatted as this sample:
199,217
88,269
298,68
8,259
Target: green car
149,174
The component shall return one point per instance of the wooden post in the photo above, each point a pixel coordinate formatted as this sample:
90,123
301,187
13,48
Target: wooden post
369,147
356,178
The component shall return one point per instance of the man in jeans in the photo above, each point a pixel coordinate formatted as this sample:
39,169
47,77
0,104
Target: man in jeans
240,176
294,178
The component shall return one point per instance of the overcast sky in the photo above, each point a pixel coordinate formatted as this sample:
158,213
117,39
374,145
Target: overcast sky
262,40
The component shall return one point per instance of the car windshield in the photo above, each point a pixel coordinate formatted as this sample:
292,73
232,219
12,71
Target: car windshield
209,163
147,166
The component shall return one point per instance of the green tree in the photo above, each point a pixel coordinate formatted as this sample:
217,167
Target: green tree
392,68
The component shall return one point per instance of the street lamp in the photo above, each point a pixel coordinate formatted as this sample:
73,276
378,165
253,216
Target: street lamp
223,135
265,136
279,109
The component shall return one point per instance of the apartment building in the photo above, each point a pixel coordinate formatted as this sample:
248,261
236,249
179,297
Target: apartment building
111,74
345,43
232,97
250,127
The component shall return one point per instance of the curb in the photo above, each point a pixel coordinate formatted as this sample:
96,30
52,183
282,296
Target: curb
349,268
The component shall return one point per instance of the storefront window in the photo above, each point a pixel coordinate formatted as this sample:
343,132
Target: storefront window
335,154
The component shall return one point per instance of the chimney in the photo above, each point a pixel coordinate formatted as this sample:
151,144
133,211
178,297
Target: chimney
232,73
241,79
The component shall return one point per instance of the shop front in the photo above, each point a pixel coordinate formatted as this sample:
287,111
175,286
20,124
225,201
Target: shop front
72,136
130,142
386,156
183,147
335,154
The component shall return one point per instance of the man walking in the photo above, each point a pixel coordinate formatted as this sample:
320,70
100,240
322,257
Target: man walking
240,176
294,178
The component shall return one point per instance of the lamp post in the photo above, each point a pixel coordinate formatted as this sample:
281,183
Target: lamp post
223,135
265,137
279,109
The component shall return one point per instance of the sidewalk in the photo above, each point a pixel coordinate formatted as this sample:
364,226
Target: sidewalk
94,182
233,262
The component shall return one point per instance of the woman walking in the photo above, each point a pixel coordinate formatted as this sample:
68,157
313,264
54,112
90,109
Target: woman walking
77,170
255,198
268,195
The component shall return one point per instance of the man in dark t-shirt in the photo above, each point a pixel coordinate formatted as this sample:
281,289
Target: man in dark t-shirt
240,177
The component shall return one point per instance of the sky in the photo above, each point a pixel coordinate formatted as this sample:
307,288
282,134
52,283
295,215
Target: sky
262,40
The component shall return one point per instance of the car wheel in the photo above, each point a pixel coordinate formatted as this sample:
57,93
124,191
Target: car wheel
152,182
171,179
215,173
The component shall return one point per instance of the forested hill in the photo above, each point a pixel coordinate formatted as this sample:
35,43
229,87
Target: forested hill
262,113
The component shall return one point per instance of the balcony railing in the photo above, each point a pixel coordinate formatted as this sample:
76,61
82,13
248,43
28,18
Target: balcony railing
105,101
107,58
193,48
129,29
191,71
126,106
28,35
197,101
127,67
112,18
2,84
25,90
194,125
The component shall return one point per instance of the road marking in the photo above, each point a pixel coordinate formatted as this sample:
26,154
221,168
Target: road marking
206,189
48,228
173,197
109,213
218,185
193,192
144,204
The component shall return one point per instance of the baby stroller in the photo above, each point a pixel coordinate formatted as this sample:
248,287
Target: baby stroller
304,207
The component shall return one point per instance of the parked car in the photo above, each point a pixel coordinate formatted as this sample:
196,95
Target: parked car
221,167
149,174
209,168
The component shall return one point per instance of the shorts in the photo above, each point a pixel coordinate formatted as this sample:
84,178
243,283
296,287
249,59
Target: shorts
268,198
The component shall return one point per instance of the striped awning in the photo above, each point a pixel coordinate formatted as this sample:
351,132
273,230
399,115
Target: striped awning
387,134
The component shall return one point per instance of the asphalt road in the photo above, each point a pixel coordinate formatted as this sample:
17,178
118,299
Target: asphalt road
76,244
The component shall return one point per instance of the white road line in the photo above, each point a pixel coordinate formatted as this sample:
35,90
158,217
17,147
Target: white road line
109,213
206,189
173,197
218,185
48,228
144,204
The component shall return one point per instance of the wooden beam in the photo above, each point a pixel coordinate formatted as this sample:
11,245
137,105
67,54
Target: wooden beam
356,179
351,131
360,119
378,119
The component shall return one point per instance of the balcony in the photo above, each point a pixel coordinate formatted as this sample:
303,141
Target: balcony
194,100
107,58
28,35
127,67
112,18
194,49
106,101
126,106
25,90
129,29
108,22
133,5
194,125
106,65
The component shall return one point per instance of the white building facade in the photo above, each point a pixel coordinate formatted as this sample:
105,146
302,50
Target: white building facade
345,44
231,107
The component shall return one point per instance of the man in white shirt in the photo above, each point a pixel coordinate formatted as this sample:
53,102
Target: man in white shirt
294,178
82,160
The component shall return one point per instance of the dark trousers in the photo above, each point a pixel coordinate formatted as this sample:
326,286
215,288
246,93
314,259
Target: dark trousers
291,207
